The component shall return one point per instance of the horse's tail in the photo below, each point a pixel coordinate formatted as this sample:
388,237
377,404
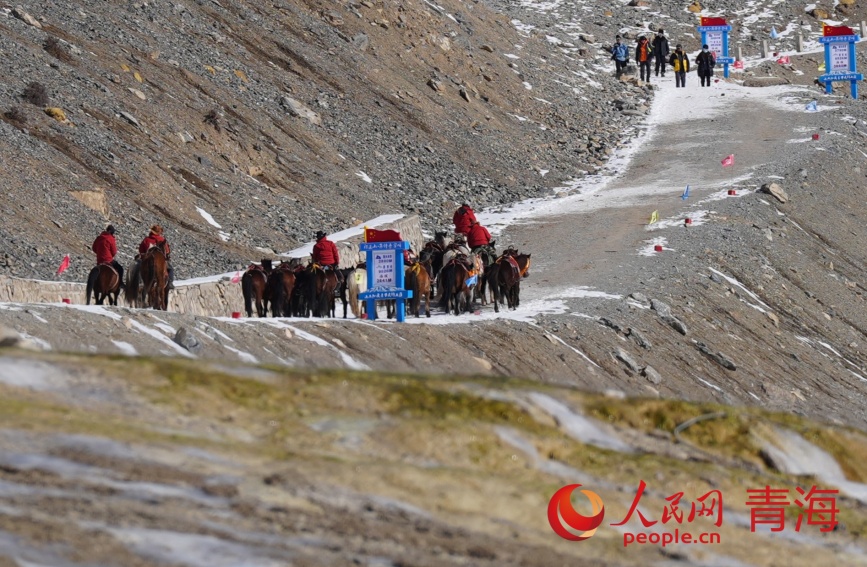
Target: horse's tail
411,283
447,280
247,290
131,289
91,283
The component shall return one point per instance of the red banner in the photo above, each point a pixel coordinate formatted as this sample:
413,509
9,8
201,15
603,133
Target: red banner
713,21
373,235
837,30
63,265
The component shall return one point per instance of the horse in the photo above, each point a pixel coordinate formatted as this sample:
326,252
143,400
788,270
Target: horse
457,294
321,284
154,275
103,281
356,284
281,285
254,286
511,269
418,281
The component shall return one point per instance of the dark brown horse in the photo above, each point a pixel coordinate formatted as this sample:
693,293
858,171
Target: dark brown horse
281,284
254,286
321,284
511,268
418,281
457,294
154,275
103,281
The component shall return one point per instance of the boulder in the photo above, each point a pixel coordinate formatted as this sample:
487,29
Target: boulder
19,13
187,340
820,13
626,359
695,7
300,110
717,357
639,3
775,190
360,41
765,81
652,375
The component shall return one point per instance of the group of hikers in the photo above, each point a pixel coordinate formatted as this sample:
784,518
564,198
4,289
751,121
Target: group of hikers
647,51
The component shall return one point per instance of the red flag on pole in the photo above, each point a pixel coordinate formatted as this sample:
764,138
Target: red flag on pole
730,160
373,235
237,277
63,265
705,21
837,30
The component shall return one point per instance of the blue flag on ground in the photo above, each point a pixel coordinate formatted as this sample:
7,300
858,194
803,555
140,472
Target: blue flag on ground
774,34
812,107
685,195
472,280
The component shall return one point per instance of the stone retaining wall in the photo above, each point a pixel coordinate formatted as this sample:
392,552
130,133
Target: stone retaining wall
213,299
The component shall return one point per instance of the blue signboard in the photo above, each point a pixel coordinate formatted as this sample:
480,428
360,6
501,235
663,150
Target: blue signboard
385,274
840,62
717,40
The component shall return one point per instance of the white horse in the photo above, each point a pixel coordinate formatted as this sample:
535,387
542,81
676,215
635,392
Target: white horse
356,285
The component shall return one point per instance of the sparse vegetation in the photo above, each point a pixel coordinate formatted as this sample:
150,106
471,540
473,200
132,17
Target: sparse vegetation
36,94
213,118
15,115
57,49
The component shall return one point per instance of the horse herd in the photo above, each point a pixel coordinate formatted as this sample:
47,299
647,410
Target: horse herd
146,284
446,273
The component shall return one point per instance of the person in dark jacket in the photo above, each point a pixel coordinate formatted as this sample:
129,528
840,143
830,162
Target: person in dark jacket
154,237
620,54
105,248
680,63
660,51
705,62
644,55
463,219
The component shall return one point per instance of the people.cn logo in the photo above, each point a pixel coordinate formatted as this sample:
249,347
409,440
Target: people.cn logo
569,524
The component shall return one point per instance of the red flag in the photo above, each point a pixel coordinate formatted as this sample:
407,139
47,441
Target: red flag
63,265
373,235
730,160
784,60
837,30
713,21
237,277
739,64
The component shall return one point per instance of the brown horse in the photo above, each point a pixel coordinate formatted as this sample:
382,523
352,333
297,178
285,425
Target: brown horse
281,284
457,295
254,285
511,268
154,272
321,284
418,281
103,281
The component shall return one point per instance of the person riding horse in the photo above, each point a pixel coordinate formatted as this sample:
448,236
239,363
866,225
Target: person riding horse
105,248
154,238
463,219
479,241
325,254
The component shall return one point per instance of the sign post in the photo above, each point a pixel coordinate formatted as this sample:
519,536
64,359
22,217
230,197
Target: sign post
715,34
385,273
839,44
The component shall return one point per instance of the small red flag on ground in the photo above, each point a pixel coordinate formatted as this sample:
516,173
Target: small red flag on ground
730,160
63,265
373,235
237,277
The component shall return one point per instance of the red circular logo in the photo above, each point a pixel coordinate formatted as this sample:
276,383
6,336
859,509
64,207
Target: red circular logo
563,517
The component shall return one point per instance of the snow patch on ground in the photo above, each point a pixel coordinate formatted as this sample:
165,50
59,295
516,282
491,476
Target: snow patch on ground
207,216
125,348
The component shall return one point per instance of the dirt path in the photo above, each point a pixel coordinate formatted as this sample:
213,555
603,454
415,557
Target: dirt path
689,132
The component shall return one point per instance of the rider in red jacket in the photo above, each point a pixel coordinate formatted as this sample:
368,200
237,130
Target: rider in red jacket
463,219
325,254
478,236
152,239
105,248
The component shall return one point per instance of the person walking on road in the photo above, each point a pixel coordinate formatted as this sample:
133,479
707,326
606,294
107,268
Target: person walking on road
620,54
680,64
706,63
660,51
644,55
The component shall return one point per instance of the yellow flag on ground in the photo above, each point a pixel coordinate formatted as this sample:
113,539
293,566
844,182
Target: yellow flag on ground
822,68
654,217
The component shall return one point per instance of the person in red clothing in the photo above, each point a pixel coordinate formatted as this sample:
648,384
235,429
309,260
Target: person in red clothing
479,241
154,237
105,248
325,254
463,219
